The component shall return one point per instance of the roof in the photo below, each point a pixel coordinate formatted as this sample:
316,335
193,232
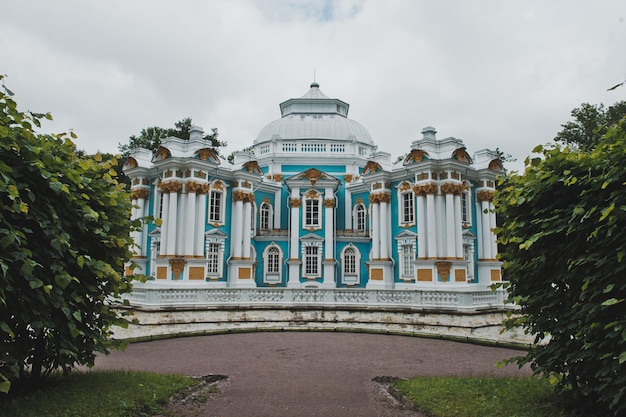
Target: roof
314,116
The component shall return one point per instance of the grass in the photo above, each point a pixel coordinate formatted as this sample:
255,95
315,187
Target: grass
484,397
98,394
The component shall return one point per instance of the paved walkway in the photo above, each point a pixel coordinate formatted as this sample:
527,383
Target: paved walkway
307,373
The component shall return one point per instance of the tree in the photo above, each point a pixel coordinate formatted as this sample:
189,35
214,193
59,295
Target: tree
590,124
64,240
151,137
564,252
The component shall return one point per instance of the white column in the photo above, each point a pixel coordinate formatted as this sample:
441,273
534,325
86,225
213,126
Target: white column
348,206
329,225
458,227
440,225
450,227
294,227
164,221
141,212
237,232
492,236
247,224
486,225
200,224
431,225
375,228
181,223
190,223
479,228
135,235
172,217
277,209
421,227
384,227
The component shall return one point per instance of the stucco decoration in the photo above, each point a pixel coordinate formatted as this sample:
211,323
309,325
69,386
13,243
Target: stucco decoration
462,155
416,155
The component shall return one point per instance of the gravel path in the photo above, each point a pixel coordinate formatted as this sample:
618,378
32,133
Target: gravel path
306,373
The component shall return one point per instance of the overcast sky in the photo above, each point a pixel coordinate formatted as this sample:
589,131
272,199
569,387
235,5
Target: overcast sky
496,74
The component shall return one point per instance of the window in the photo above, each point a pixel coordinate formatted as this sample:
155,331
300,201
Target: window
273,260
359,217
349,261
215,206
213,258
311,262
312,210
350,265
407,258
465,208
265,216
408,208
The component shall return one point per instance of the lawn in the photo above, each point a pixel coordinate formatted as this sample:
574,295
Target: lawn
98,394
484,397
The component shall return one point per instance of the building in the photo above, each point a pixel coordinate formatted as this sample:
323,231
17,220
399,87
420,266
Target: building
313,204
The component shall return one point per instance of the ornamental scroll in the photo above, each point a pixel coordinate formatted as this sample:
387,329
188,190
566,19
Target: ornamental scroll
444,268
170,187
484,195
243,196
139,194
453,188
178,265
423,189
196,187
380,198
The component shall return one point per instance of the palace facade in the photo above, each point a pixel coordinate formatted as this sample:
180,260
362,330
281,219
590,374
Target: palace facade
313,203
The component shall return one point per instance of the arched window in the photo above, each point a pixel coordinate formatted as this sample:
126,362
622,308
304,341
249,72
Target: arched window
265,216
350,265
272,260
359,217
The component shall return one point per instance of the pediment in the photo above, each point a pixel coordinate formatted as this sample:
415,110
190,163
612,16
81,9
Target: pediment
313,176
406,234
312,237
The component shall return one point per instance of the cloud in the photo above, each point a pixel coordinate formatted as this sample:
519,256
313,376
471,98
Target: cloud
495,74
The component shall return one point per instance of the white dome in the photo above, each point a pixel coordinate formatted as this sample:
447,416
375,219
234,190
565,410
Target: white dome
314,116
314,126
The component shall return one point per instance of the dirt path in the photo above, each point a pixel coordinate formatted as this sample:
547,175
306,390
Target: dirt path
306,374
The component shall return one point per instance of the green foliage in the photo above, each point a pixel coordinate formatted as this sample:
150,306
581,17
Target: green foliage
151,137
590,124
64,240
99,394
563,245
482,397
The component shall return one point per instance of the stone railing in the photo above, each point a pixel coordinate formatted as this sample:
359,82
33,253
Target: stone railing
153,296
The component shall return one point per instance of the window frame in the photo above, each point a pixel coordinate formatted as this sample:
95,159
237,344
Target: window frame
266,216
214,258
407,207
271,276
312,211
350,268
358,211
215,212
